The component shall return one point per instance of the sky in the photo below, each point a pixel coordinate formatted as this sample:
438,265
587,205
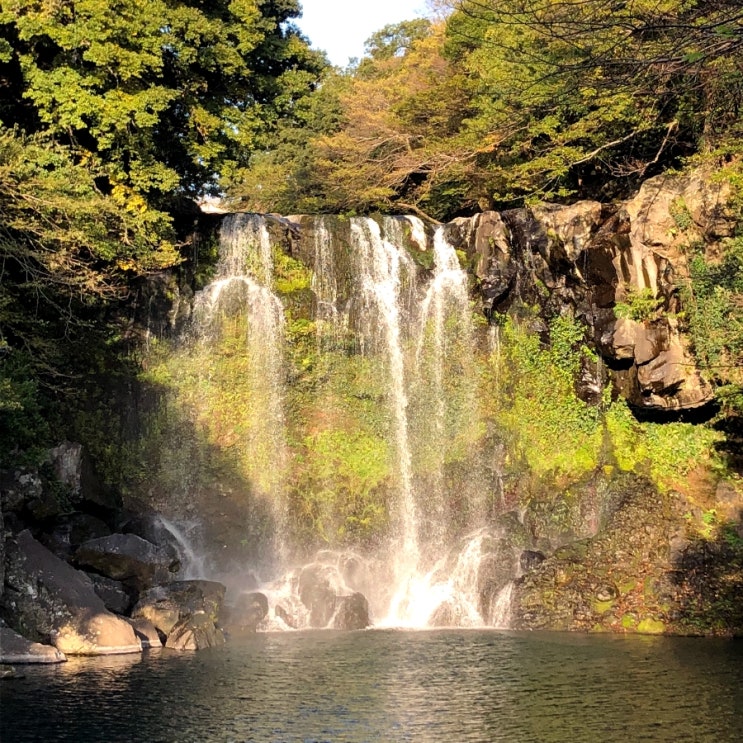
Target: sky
341,27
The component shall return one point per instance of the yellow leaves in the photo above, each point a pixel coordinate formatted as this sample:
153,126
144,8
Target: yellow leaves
126,264
129,199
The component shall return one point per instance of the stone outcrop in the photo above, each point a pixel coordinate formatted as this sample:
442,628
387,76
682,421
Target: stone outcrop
584,259
47,600
645,571
112,592
127,557
73,468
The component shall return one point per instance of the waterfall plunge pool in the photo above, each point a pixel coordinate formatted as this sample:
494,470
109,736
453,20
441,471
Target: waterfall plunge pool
391,685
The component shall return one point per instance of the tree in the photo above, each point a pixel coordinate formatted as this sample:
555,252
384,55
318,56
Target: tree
598,89
161,96
113,115
389,138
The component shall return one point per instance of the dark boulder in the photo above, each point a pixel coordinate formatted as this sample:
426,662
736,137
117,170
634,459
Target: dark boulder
47,600
248,611
530,559
70,531
151,527
112,592
352,613
129,558
318,592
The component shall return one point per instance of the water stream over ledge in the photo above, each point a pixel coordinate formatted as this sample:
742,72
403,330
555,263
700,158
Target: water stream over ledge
390,302
459,685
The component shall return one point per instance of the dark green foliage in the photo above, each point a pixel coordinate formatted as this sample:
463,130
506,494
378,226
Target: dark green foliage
23,429
714,311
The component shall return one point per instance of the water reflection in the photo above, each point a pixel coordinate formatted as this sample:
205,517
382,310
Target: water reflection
392,686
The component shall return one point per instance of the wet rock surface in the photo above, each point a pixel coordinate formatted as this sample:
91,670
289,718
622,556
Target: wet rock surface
18,650
173,607
318,591
147,633
195,632
352,613
247,613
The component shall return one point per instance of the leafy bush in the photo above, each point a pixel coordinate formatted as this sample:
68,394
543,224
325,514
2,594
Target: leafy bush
639,305
713,302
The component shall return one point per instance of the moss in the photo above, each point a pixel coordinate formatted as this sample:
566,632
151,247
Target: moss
601,607
628,621
650,626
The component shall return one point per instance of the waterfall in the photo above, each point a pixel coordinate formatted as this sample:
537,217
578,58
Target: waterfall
383,428
240,310
381,265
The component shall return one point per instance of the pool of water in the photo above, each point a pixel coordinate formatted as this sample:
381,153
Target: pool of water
388,685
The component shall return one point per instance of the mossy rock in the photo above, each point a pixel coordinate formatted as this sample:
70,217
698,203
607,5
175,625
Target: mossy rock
650,626
629,621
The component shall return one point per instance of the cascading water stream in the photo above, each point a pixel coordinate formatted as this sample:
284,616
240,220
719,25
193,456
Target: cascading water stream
445,303
391,308
380,273
240,306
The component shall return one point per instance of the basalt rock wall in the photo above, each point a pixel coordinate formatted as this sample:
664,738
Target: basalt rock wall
587,258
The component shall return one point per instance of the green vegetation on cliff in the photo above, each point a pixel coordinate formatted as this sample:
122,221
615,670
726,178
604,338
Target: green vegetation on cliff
533,399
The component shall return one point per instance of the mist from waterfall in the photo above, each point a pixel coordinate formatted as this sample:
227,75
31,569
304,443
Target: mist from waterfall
239,308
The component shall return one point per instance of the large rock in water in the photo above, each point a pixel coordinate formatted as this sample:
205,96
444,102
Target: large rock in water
127,557
248,611
48,600
195,632
318,590
352,613
17,649
182,611
147,633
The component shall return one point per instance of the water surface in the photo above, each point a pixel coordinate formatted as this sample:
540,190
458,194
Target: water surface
387,685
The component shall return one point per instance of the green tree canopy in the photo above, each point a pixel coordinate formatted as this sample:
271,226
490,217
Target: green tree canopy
160,96
511,100
113,115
